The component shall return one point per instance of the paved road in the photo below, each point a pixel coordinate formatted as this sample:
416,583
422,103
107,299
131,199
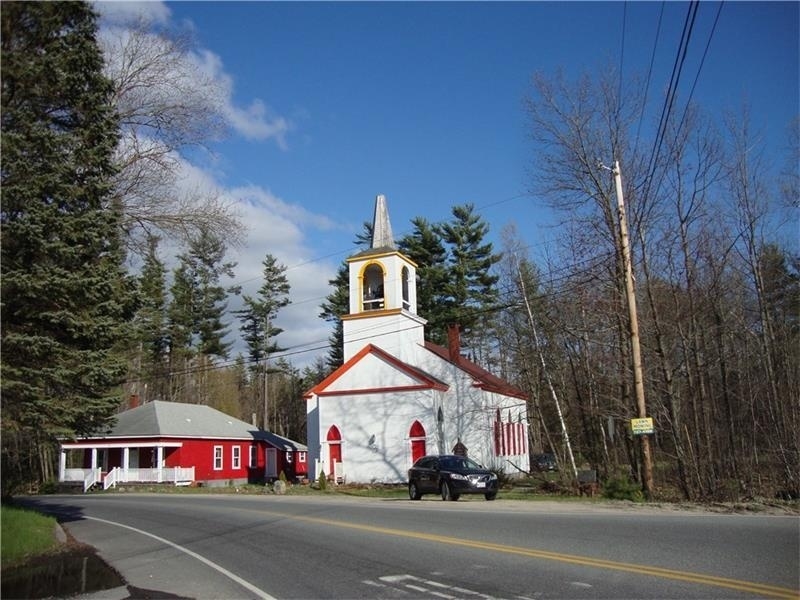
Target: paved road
222,546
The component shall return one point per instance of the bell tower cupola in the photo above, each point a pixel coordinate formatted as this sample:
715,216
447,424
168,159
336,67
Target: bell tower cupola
383,293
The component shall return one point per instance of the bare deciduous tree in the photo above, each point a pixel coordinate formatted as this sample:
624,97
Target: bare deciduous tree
168,103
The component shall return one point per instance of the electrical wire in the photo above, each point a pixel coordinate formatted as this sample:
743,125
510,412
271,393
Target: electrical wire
672,89
649,75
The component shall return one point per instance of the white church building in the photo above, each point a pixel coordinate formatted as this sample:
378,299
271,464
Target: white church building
398,397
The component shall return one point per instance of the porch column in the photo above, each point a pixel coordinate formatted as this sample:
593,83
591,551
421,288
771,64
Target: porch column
160,462
94,458
62,465
126,461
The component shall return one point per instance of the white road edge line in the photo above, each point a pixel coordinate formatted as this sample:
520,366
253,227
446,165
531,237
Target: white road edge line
246,584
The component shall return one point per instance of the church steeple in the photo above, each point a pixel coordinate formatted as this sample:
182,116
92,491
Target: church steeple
383,293
381,227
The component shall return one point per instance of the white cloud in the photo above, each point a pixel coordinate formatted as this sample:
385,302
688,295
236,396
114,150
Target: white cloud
197,73
254,122
282,229
123,12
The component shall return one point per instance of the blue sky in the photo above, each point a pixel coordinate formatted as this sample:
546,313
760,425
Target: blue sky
334,103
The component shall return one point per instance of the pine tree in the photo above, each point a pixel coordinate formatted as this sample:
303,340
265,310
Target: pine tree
258,322
151,323
205,258
196,312
337,303
65,295
470,290
258,314
424,246
180,326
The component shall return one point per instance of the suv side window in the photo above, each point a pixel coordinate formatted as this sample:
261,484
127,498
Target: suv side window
428,463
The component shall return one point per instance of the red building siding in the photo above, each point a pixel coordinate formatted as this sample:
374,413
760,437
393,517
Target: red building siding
200,454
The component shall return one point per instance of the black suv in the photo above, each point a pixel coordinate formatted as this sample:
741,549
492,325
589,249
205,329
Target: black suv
450,475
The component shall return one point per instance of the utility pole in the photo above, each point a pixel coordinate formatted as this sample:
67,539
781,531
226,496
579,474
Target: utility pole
638,380
266,380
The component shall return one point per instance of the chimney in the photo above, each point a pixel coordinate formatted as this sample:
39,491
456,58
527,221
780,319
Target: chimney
453,342
133,401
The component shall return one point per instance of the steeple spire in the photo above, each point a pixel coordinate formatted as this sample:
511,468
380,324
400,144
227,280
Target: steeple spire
381,228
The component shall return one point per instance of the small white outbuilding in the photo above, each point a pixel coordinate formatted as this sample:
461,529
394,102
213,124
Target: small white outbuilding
398,397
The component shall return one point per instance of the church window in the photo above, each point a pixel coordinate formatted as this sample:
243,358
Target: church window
373,287
406,301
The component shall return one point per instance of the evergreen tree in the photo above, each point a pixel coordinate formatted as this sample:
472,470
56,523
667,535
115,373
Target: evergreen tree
205,260
151,323
424,246
470,291
258,322
258,314
337,303
65,295
196,327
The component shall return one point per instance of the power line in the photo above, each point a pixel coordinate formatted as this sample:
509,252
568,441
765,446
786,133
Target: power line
622,46
649,74
672,89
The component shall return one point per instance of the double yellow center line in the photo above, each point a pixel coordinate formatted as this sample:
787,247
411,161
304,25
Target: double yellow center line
712,580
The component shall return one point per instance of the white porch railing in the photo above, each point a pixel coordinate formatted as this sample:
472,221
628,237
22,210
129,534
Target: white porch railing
111,478
337,473
92,477
175,475
88,476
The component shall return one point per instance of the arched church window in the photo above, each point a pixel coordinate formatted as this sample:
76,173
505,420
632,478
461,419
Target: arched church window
406,301
373,287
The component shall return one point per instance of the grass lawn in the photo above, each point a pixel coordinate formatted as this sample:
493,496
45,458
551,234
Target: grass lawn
24,533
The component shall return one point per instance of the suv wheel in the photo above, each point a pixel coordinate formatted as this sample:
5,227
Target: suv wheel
447,494
413,492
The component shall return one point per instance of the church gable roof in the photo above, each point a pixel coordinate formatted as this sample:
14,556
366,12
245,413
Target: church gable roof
481,377
392,373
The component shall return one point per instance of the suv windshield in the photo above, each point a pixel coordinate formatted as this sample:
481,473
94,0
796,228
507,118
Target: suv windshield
457,463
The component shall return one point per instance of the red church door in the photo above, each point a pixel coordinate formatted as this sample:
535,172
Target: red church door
417,436
334,439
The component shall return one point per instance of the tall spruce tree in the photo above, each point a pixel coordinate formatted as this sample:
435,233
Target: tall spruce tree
151,324
337,303
424,246
470,290
65,295
196,312
258,315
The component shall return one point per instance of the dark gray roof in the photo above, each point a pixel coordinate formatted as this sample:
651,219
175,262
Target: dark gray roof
175,419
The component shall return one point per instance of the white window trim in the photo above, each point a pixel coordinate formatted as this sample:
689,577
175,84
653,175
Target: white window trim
301,457
236,457
218,458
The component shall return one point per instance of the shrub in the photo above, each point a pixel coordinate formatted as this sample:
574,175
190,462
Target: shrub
322,481
49,487
622,488
282,477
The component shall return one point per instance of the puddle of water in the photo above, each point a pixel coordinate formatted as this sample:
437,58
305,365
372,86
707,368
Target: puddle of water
59,575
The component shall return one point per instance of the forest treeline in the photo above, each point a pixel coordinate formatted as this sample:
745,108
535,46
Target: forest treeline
86,185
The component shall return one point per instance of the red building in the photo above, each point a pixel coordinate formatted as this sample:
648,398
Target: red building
184,444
